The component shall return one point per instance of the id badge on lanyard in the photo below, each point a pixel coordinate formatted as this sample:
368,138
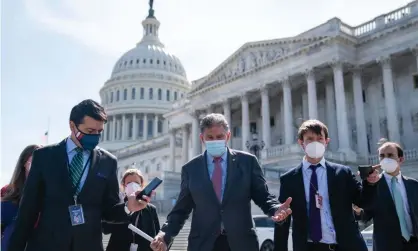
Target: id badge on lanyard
76,211
134,246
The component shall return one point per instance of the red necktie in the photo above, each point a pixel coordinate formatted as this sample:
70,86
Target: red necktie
217,177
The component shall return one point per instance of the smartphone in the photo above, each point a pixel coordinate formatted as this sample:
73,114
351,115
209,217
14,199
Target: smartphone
149,188
365,170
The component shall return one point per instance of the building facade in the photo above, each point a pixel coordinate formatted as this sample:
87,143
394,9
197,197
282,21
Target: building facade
361,81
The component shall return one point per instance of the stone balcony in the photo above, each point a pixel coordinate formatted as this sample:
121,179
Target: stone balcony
291,153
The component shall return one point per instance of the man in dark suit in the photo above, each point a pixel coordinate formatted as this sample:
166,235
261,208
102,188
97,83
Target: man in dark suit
73,185
323,194
394,204
218,186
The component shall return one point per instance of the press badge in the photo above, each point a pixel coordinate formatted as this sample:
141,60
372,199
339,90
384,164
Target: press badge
134,247
318,201
76,214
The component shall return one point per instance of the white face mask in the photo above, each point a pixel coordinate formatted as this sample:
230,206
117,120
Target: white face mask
131,188
388,165
315,150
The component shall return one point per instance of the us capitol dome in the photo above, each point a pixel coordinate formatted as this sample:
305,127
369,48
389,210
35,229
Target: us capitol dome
144,83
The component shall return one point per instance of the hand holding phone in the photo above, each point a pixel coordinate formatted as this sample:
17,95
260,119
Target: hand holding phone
149,188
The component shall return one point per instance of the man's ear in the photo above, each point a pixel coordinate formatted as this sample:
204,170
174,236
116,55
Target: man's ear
201,138
401,160
327,140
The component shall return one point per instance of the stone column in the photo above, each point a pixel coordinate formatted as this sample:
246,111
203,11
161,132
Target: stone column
113,132
172,163
305,106
360,118
265,115
106,130
135,127
245,120
390,101
118,129
312,97
331,116
185,144
124,127
156,118
415,52
145,128
196,144
288,114
227,113
342,121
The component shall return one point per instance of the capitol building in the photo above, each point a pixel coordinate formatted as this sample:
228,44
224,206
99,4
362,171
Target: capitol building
361,81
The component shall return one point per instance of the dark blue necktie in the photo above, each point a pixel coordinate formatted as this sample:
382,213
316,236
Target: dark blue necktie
315,231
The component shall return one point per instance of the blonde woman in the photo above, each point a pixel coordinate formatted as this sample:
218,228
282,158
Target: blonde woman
123,239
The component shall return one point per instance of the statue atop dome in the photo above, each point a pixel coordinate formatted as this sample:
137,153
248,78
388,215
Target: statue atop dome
151,10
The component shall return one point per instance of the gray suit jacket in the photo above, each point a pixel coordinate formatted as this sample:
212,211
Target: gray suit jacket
245,181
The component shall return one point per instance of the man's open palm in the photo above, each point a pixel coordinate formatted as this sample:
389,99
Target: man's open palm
283,211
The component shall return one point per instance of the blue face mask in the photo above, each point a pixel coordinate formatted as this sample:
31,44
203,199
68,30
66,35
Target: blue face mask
215,148
87,141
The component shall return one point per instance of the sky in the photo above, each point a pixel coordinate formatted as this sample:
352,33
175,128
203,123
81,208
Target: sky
55,53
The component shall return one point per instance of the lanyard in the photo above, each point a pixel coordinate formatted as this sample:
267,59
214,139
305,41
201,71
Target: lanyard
136,225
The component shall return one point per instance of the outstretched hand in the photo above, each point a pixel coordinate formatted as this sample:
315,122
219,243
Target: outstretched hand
283,211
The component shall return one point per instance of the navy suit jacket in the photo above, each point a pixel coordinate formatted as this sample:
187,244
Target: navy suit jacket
343,190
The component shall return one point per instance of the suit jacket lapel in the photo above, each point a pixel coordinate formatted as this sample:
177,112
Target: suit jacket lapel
231,172
331,172
410,197
94,163
299,187
62,161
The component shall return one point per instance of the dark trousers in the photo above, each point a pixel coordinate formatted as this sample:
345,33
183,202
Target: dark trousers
221,244
321,247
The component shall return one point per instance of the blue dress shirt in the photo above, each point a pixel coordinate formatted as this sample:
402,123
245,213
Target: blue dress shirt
71,152
327,225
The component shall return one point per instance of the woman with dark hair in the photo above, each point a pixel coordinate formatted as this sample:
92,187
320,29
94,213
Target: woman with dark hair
12,193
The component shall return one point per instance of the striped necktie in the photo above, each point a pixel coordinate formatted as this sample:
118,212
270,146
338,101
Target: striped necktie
76,168
397,198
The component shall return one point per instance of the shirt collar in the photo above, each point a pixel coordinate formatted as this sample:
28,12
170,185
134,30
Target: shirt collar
306,164
71,146
223,156
389,177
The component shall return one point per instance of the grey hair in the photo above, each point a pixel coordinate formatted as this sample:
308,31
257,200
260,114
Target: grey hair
213,119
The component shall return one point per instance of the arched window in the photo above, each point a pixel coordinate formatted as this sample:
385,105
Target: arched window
125,94
117,95
160,126
160,94
111,97
133,93
151,93
168,95
175,95
142,93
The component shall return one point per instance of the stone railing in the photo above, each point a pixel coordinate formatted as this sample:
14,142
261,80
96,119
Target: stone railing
383,21
142,146
283,151
410,155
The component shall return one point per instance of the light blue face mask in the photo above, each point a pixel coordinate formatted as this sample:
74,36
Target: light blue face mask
215,148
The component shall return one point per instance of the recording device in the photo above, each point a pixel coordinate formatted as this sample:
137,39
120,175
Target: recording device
365,171
149,188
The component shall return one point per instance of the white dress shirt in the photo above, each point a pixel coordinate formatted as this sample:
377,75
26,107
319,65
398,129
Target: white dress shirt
327,225
401,186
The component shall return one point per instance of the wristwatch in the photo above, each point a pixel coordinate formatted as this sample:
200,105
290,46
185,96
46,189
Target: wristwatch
126,209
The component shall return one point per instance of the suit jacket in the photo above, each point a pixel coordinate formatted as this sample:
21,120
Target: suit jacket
122,237
381,208
343,190
244,181
48,190
8,216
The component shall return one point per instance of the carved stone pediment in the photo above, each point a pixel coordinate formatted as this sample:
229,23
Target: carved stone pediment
254,55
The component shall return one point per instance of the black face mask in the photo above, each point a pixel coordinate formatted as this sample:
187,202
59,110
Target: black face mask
87,141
